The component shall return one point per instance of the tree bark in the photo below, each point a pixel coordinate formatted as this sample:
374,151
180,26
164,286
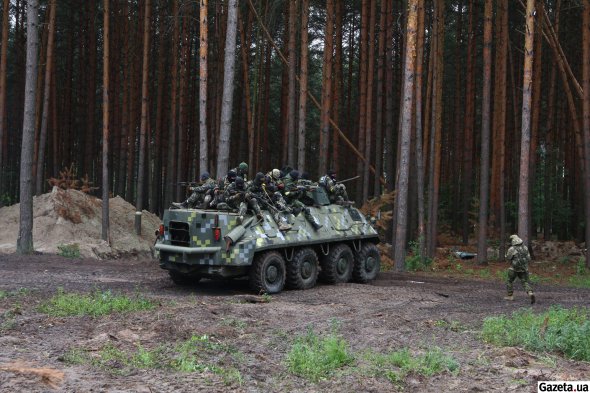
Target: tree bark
586,127
369,115
406,131
303,86
228,87
144,115
3,63
46,92
24,243
326,89
105,125
203,53
419,130
523,184
484,185
362,86
291,159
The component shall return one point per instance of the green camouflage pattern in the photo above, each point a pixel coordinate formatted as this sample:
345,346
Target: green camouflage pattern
199,252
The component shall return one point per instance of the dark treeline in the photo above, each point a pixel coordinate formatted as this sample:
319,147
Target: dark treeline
478,97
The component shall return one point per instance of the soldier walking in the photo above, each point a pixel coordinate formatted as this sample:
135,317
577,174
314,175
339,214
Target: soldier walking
519,257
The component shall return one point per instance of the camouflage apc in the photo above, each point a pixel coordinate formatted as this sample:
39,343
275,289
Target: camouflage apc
194,243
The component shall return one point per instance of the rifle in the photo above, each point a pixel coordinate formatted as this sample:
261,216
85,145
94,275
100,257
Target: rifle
345,180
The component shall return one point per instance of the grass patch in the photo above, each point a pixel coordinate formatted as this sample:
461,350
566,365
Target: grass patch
558,330
186,356
69,250
415,260
396,365
94,304
454,326
580,281
316,358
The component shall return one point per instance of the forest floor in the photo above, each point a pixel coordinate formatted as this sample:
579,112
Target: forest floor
225,339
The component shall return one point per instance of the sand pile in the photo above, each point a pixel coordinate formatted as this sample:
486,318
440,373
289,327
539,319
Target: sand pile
72,217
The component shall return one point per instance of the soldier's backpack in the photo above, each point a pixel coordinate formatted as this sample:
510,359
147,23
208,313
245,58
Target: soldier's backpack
520,260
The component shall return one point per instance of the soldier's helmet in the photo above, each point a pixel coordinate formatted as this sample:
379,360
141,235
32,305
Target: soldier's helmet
239,182
294,174
515,240
231,175
259,178
243,167
276,174
205,175
332,174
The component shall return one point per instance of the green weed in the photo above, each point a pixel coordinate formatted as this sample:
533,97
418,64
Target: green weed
580,281
69,250
396,365
559,330
581,266
94,304
454,326
315,358
416,261
485,273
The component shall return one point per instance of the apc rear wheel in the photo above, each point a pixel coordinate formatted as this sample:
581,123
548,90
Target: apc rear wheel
337,265
302,270
183,279
267,274
367,263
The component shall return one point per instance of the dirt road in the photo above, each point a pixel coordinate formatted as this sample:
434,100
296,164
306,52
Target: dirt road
252,339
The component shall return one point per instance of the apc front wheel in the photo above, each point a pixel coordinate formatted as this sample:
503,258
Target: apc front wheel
267,274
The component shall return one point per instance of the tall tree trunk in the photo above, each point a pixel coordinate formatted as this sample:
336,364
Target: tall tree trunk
406,131
379,104
24,243
497,203
362,86
90,140
484,185
523,184
337,83
244,49
228,87
469,123
390,150
419,130
105,125
436,127
144,115
3,62
303,86
172,131
46,92
326,88
586,111
369,115
291,159
203,48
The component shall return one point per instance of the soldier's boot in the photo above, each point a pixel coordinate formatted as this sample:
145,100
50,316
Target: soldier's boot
256,209
206,202
242,212
532,296
281,222
509,297
311,219
180,205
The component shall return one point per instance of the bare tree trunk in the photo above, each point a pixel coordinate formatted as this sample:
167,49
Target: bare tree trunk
370,79
484,181
203,48
291,159
24,243
337,83
379,104
105,125
362,95
586,111
390,150
419,130
172,132
46,91
326,88
523,189
228,87
3,62
406,131
144,115
303,85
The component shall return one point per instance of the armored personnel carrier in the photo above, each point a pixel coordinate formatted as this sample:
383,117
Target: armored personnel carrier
195,243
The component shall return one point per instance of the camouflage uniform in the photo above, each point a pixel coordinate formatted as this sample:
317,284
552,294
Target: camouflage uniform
234,197
336,192
519,257
199,193
293,193
259,192
242,171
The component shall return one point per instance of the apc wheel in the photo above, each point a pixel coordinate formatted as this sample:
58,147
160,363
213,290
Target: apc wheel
267,274
337,265
367,263
183,279
302,271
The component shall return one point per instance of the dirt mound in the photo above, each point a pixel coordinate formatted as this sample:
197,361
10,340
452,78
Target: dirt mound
72,217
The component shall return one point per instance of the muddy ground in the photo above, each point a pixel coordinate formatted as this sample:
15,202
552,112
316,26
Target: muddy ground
419,311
